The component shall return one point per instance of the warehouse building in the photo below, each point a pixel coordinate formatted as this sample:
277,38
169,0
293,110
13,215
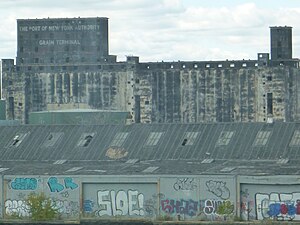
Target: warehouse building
147,172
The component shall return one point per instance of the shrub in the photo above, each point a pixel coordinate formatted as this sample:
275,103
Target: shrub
225,209
41,207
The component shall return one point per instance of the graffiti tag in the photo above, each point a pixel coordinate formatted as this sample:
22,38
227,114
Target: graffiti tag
24,184
218,188
185,184
55,186
279,206
121,203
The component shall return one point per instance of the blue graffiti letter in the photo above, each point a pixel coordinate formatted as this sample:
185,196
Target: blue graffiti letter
70,184
54,185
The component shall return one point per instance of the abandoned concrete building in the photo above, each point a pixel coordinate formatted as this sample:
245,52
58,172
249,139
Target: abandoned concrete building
65,64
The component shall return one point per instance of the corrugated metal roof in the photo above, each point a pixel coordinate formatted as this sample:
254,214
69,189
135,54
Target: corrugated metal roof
250,148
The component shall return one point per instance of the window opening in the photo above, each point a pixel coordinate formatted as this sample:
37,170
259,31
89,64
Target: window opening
85,139
295,141
17,140
154,138
189,138
119,139
262,138
225,137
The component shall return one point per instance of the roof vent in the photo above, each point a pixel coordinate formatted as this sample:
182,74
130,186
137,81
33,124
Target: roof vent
206,161
132,161
227,169
282,161
150,169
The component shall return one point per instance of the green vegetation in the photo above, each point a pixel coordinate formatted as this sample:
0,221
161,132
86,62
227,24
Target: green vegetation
226,209
40,207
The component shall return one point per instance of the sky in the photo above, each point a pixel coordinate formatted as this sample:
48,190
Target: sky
167,30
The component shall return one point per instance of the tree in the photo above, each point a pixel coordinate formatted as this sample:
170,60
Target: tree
41,207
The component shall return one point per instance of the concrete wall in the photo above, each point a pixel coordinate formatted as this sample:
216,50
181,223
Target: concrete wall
261,200
144,198
161,92
64,192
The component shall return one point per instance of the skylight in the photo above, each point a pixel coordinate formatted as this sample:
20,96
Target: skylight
295,139
85,139
262,138
61,161
150,169
153,138
74,169
225,137
2,169
119,139
228,169
207,161
17,140
189,138
52,138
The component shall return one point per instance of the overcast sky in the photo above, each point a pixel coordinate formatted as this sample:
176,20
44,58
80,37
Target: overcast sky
168,30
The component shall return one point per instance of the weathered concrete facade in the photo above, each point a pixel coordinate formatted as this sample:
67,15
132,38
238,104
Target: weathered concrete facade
161,92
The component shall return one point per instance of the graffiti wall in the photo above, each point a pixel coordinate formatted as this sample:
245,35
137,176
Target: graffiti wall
276,202
63,192
194,198
122,200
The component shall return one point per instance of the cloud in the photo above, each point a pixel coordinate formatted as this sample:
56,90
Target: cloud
164,29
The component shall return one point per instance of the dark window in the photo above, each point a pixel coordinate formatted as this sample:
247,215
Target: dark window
36,49
269,78
67,59
36,60
184,142
270,103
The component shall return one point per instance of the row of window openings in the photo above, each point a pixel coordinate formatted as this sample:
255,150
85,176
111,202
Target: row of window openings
29,68
67,60
190,138
232,65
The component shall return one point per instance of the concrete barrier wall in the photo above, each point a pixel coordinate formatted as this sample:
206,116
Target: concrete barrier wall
166,198
63,191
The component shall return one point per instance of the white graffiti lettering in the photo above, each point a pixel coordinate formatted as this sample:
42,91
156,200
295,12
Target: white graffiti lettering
218,188
121,203
17,207
21,209
211,206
